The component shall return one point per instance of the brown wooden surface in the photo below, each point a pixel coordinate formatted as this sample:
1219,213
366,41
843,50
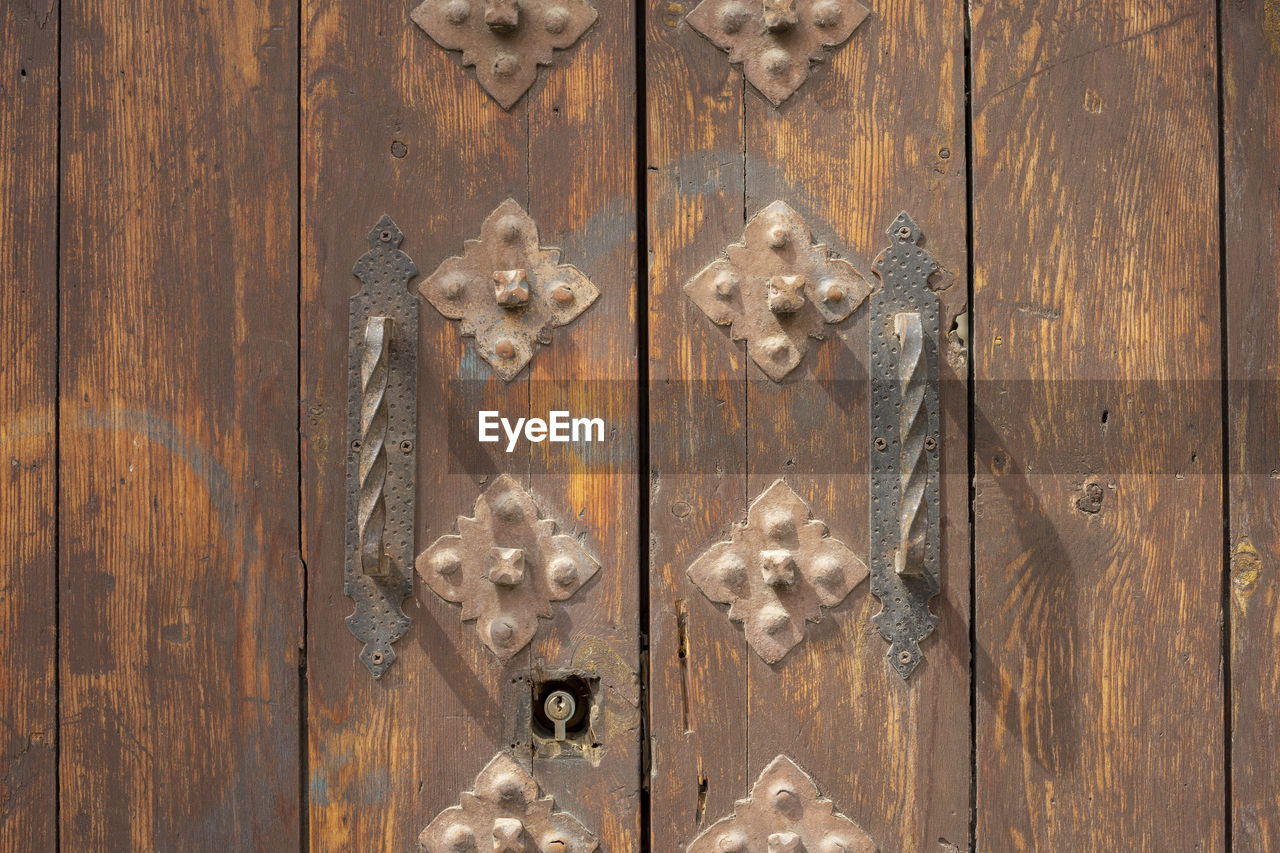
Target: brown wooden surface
1098,629
28,397
387,756
893,757
180,585
878,129
1251,137
697,431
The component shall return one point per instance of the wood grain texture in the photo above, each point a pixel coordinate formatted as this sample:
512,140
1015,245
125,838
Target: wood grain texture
394,124
848,151
582,191
1098,417
180,615
697,431
1251,136
28,398
877,129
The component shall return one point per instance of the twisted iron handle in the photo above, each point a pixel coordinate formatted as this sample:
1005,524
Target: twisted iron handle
913,427
372,513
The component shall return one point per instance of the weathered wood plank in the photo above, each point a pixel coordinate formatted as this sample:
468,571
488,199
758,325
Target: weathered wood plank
1098,502
28,396
395,124
877,129
585,115
697,417
180,585
1251,119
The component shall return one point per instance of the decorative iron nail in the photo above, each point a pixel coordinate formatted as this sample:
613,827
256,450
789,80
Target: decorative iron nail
776,289
505,566
508,291
905,548
775,40
504,813
381,411
788,813
777,570
506,40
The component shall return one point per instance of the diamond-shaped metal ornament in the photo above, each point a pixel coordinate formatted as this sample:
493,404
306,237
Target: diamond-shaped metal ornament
775,40
777,288
777,570
784,814
503,813
506,40
505,566
508,291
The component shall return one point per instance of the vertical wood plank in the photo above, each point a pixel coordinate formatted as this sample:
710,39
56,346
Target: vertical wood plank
1251,137
1098,500
28,396
697,419
393,124
583,114
179,575
877,129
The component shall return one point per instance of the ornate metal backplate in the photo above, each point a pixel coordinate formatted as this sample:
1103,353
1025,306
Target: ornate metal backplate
504,813
506,40
776,39
905,549
777,288
777,570
505,567
784,814
382,349
508,291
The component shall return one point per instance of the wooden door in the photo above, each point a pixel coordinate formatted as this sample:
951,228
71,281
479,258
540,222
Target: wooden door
193,195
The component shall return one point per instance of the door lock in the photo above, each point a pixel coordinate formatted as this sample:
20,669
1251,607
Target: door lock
559,707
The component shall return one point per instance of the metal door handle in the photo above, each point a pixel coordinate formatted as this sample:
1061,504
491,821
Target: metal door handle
372,510
382,346
905,549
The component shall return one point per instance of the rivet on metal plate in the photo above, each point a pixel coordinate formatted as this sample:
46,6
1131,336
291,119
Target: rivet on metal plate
501,813
905,543
382,346
777,570
506,40
505,566
775,40
787,813
508,291
777,289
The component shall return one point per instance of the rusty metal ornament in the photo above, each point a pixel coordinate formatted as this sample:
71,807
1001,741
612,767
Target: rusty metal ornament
784,814
508,291
504,813
382,348
905,543
506,40
505,566
775,40
777,570
776,289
